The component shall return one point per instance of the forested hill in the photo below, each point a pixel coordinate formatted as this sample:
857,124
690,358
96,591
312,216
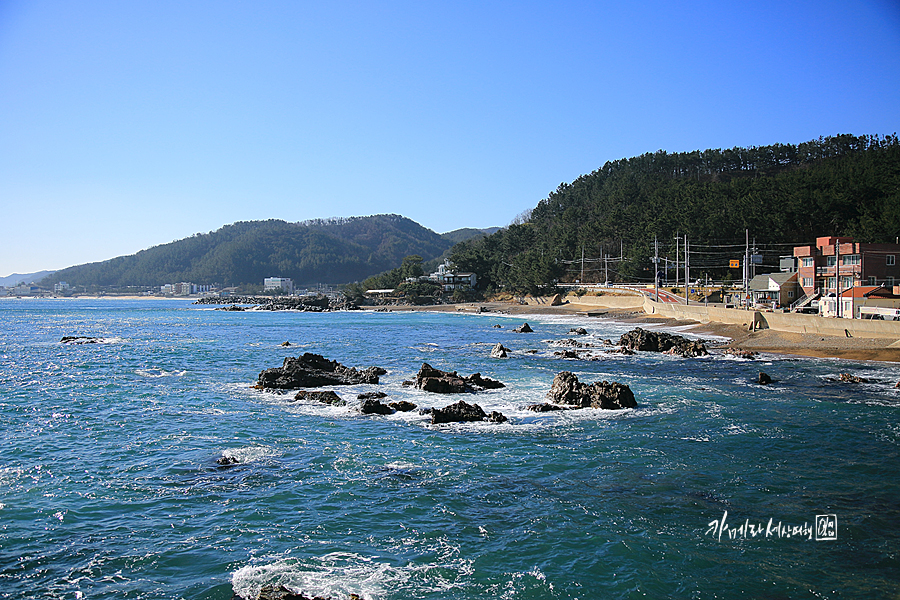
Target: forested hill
784,194
336,250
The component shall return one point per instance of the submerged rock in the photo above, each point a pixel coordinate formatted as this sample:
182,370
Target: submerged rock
227,461
545,407
314,370
444,382
660,341
464,412
566,389
283,593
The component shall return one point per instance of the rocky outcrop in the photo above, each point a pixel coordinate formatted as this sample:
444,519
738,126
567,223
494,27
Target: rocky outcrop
499,351
443,382
462,412
738,353
281,592
763,379
326,397
232,308
372,406
848,378
545,407
403,406
524,328
567,390
371,395
566,354
578,331
314,370
660,341
80,339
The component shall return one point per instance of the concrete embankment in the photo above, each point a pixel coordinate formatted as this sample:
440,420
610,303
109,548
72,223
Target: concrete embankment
788,322
610,301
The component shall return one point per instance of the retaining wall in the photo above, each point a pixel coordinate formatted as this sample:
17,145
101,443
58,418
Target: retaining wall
790,322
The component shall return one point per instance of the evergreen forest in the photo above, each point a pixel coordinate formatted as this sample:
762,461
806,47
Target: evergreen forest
607,225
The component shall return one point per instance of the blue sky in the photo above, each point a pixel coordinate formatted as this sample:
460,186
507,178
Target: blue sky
130,124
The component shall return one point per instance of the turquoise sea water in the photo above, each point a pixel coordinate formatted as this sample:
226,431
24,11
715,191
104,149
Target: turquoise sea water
109,486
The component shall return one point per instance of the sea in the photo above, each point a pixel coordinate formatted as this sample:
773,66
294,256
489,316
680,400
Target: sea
713,487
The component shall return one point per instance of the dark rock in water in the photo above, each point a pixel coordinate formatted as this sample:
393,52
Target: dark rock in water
285,344
227,461
496,417
545,407
578,331
531,352
325,397
403,406
623,351
80,339
408,383
314,370
443,382
738,353
660,341
566,354
499,351
371,395
848,378
523,328
372,406
464,412
763,379
498,326
566,389
232,308
283,593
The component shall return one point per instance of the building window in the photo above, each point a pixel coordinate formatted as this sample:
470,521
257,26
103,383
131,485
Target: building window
890,260
808,261
831,283
790,293
871,280
846,281
831,261
889,281
807,282
850,259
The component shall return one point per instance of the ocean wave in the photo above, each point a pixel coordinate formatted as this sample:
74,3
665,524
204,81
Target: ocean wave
155,373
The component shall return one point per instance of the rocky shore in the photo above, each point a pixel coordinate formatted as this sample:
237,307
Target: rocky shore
302,303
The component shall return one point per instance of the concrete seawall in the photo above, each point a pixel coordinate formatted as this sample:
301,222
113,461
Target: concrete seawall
789,322
588,302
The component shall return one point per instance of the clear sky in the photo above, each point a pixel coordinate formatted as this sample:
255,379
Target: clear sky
125,125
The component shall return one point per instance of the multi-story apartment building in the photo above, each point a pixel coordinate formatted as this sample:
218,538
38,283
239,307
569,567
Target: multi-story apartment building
839,263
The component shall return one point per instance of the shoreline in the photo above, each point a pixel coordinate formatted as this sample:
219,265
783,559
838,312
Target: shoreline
761,340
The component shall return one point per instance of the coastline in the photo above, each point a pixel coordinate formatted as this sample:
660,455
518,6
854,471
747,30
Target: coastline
761,340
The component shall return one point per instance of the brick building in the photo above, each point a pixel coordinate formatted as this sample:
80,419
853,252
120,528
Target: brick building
839,261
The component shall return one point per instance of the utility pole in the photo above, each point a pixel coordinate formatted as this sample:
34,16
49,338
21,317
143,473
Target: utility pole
656,266
746,266
687,272
837,275
676,260
582,264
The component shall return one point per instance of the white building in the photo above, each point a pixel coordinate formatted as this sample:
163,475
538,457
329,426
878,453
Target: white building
282,284
60,287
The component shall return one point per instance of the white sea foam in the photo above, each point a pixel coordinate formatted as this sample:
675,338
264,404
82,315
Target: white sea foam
340,574
154,373
249,454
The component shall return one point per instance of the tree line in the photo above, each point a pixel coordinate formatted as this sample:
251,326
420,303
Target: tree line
783,193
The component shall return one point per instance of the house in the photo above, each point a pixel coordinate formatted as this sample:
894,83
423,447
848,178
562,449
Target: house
839,263
775,289
863,301
458,281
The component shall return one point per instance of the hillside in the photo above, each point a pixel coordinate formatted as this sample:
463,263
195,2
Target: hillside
334,251
783,194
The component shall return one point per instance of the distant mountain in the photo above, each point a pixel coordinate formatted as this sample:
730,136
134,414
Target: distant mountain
339,250
17,278
461,235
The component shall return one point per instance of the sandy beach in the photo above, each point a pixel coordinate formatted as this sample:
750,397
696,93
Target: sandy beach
764,340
